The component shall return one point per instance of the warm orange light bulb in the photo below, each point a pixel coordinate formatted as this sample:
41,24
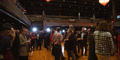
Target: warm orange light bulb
104,2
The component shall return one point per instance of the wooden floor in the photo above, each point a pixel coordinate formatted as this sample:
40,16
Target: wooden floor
45,54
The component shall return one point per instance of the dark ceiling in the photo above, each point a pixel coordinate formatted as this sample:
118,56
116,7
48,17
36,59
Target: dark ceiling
87,8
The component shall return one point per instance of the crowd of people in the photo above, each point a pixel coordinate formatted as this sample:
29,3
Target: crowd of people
15,44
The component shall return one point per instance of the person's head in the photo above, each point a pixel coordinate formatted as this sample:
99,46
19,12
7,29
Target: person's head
71,27
58,29
84,29
88,30
24,31
103,26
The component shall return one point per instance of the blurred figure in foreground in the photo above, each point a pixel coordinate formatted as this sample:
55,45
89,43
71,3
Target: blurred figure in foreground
7,36
23,45
104,46
57,39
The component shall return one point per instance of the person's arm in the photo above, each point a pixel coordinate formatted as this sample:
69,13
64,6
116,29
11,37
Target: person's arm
111,41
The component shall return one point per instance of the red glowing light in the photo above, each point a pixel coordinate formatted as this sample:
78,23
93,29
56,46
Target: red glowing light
25,10
112,21
48,0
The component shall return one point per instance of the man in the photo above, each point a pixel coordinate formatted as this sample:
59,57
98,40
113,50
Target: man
57,39
23,45
84,40
47,40
80,44
39,39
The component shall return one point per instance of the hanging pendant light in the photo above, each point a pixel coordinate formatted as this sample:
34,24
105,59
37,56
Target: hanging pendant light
104,2
48,0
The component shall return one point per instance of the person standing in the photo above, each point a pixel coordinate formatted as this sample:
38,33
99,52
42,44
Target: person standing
84,36
40,39
92,55
47,40
104,45
33,39
23,51
51,36
79,41
118,43
70,43
57,39
15,46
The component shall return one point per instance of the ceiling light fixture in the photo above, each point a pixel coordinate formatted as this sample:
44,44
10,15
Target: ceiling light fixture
104,2
48,1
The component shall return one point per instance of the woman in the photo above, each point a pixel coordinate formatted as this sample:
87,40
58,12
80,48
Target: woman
104,46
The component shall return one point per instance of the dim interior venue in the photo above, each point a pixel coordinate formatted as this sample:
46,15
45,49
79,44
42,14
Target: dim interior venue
59,29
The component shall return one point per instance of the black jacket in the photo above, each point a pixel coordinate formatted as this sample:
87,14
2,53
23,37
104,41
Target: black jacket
92,55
